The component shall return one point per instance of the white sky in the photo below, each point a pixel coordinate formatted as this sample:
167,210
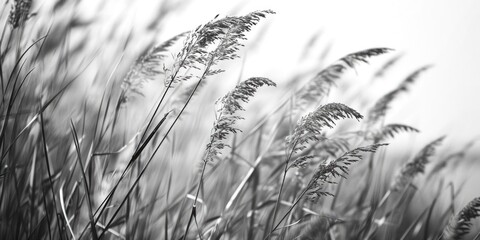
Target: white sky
443,33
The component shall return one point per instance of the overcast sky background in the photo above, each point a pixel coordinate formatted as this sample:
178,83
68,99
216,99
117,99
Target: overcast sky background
444,33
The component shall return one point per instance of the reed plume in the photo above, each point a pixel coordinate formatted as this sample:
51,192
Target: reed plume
415,166
460,224
336,168
230,104
379,110
19,12
319,87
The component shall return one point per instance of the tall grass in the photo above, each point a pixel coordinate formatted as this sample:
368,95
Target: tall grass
85,156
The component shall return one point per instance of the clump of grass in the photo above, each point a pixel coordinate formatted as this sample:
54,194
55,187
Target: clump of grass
80,175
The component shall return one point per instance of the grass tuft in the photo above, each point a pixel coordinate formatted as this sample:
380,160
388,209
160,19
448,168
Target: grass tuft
96,142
